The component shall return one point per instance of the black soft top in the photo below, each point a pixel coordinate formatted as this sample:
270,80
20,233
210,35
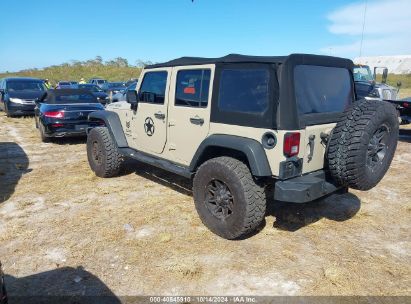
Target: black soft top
237,58
53,96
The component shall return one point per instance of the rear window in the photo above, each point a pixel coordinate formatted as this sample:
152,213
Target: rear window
321,89
244,90
72,98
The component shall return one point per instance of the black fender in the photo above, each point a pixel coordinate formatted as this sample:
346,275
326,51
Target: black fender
113,124
252,149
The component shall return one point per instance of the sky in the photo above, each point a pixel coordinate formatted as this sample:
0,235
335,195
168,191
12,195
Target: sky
43,33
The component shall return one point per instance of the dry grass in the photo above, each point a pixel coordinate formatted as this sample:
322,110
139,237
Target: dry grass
139,235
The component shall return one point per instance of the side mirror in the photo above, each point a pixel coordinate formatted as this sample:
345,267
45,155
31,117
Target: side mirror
384,75
132,98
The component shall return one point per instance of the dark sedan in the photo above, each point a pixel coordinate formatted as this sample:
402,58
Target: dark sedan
102,96
17,95
63,113
113,87
121,95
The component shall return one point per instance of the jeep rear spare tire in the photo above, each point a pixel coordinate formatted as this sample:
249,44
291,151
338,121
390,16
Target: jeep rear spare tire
227,198
363,144
102,153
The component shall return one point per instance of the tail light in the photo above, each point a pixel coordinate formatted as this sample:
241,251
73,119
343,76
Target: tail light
405,105
57,125
291,144
54,114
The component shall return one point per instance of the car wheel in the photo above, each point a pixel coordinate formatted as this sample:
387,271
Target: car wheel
227,198
6,110
102,153
363,143
43,136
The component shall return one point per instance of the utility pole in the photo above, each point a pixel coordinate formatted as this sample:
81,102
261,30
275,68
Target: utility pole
363,26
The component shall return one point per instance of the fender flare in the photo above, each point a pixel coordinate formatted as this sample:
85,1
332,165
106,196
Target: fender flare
113,124
252,149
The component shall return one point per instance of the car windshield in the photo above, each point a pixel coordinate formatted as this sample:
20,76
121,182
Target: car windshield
101,81
132,86
25,85
91,88
363,73
116,84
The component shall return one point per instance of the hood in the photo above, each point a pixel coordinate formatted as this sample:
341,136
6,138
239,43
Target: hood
384,86
117,89
100,94
363,88
26,94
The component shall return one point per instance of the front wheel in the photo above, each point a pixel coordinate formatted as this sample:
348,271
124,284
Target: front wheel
102,153
227,198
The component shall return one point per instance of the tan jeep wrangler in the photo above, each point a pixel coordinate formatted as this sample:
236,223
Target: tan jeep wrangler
239,123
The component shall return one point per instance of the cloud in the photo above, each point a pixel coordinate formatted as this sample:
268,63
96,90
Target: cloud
387,28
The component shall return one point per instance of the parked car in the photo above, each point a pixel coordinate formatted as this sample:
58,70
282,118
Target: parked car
367,87
102,96
131,81
112,88
64,85
237,125
121,95
97,81
17,95
63,113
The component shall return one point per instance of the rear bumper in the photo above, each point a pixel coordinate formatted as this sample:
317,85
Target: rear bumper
69,130
20,109
304,188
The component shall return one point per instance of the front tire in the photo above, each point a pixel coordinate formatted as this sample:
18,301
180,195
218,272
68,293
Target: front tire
102,153
228,200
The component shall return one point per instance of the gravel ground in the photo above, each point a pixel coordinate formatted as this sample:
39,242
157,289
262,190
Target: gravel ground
64,231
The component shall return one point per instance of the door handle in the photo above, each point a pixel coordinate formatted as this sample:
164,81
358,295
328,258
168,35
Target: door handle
311,144
196,120
159,115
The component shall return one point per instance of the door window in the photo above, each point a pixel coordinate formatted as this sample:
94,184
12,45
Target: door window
153,87
192,88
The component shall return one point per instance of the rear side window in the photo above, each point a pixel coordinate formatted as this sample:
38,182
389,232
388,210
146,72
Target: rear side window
153,87
320,89
244,90
192,88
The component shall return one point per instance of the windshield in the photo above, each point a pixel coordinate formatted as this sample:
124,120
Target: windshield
25,85
116,84
101,81
91,88
363,73
132,86
320,89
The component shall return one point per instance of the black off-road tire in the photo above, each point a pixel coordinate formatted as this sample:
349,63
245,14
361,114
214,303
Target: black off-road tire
353,157
248,197
102,153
